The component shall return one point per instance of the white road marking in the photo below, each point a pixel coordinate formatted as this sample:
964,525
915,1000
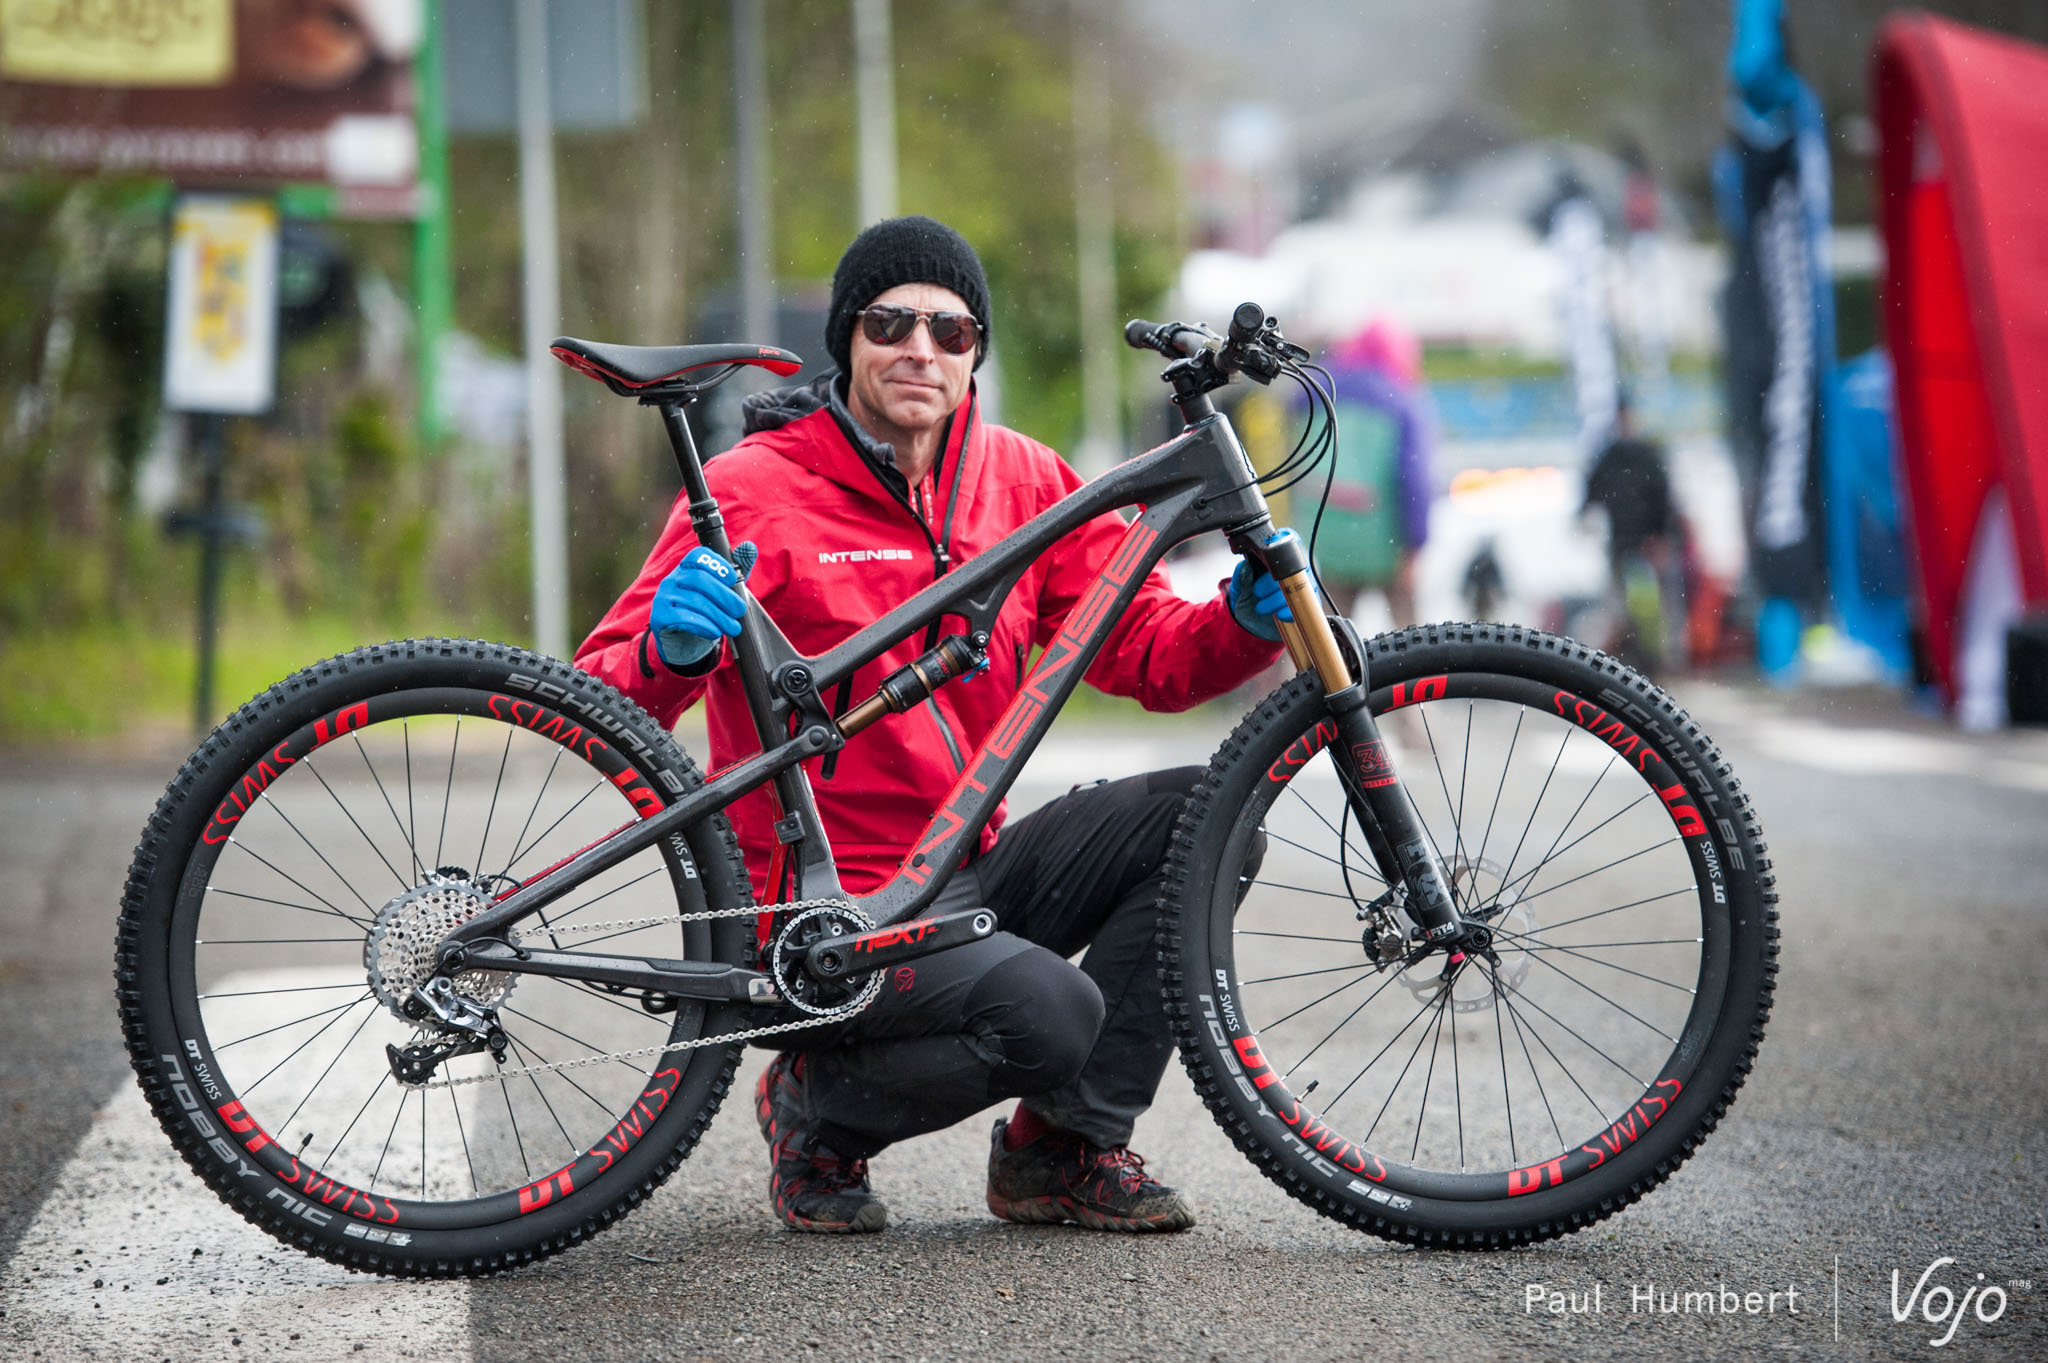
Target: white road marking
131,1257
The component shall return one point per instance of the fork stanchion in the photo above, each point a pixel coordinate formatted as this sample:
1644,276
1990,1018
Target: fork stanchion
1318,640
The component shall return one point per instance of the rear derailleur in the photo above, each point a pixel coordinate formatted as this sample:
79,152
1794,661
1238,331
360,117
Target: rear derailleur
470,1028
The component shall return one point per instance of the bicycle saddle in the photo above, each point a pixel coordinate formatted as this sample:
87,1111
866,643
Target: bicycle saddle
638,370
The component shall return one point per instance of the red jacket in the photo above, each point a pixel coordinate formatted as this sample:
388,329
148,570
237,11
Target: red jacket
838,548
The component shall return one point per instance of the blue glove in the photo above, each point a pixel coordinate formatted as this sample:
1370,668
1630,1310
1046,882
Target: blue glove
697,604
1256,601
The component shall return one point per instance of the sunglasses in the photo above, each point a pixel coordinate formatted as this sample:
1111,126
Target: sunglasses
956,333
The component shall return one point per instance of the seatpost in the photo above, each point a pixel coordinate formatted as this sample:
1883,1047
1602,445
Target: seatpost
704,517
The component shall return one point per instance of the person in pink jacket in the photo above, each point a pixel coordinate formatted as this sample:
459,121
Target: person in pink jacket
857,491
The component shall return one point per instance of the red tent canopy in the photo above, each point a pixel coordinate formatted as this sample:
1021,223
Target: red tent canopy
1962,119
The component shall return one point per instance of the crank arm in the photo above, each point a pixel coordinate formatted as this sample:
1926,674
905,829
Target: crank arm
706,980
832,958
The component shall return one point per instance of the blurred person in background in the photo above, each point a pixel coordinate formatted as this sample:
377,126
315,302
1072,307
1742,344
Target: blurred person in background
888,458
1629,482
1378,514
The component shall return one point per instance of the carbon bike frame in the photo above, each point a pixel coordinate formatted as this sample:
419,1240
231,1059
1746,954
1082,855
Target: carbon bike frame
1195,483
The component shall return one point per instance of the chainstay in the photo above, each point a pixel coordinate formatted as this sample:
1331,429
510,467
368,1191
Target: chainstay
846,1010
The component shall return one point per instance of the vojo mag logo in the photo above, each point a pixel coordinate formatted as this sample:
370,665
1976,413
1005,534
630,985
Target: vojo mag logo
1944,1297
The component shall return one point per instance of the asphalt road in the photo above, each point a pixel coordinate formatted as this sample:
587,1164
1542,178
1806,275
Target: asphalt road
1895,1120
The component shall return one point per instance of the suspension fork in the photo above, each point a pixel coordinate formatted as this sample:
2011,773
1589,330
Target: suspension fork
1394,831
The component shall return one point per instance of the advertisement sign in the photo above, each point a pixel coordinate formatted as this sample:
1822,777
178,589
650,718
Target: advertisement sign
214,91
220,352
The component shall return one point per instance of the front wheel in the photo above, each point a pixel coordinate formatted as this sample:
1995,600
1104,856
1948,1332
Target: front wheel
1554,1075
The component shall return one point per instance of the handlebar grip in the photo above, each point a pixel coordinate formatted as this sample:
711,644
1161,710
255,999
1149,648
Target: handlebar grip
1246,322
1176,339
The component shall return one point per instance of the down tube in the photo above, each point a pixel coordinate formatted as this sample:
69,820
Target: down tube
995,764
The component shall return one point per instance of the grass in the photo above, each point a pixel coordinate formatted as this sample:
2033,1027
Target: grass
106,681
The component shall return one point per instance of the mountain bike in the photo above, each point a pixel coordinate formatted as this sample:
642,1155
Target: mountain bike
438,957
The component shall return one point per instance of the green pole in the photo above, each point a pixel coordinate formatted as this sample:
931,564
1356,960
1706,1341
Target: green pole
433,268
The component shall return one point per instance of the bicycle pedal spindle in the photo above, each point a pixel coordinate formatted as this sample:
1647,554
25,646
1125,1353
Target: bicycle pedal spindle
833,958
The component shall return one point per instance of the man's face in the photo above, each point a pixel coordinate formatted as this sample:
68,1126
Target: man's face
912,386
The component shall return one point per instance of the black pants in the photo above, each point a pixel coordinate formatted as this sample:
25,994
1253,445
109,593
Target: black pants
1010,1016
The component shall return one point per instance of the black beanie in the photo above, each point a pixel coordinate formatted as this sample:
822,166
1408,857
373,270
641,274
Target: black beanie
913,250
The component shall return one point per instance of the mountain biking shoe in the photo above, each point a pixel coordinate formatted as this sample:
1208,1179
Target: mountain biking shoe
1063,1177
811,1186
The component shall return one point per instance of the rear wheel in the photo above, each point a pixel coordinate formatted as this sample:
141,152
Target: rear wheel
286,899
1547,1080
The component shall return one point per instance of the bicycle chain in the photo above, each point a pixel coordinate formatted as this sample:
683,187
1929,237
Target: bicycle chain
848,1009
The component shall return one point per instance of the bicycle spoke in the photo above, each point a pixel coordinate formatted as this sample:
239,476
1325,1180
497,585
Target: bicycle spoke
286,904
251,1088
1296,936
1507,1102
1429,1071
556,824
538,796
1428,1030
517,1139
292,989
1304,974
1335,831
1502,785
1578,809
589,1046
330,1067
273,941
1536,808
1304,889
412,824
347,884
1572,951
1611,1003
396,822
1582,1041
1427,1004
350,816
1500,996
1436,760
1338,1028
527,1058
462,1134
293,1023
1632,904
1598,1112
1312,1003
492,812
1598,869
362,923
448,792
385,1153
1457,1089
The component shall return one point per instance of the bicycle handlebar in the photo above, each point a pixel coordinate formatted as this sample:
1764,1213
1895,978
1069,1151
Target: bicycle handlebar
1254,346
1176,339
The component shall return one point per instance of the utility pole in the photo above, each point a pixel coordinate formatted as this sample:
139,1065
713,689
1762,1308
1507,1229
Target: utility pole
1095,256
542,297
750,129
875,96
